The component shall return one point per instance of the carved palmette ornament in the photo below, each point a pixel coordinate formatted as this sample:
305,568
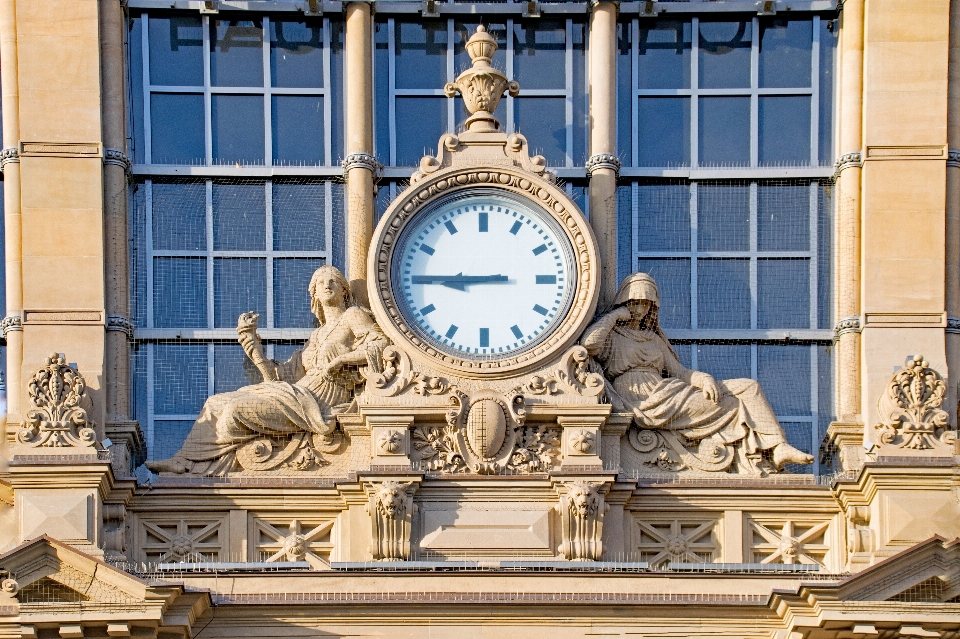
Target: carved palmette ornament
391,509
581,519
910,409
57,420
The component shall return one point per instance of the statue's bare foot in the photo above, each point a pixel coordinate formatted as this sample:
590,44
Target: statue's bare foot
784,453
166,466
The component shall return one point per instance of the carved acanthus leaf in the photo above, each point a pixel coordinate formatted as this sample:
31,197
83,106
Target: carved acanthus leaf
57,420
910,409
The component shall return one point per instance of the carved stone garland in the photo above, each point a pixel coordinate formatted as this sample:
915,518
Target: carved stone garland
912,419
57,420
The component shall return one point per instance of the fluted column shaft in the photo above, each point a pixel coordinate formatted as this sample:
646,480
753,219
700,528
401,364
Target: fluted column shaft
848,210
360,166
603,164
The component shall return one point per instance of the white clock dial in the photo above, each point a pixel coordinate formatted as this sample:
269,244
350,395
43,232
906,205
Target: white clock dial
484,276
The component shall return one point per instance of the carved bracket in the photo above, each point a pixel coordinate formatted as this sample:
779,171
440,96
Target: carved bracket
909,408
57,420
581,521
391,510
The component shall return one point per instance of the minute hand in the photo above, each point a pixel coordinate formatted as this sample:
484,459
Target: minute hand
458,281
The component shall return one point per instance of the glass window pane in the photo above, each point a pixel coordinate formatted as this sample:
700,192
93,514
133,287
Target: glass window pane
176,50
724,361
542,122
176,128
179,379
783,293
683,352
784,375
236,58
723,217
673,281
422,121
725,54
239,217
299,217
232,369
240,285
180,292
421,55
784,130
291,277
625,93
540,54
664,55
800,436
179,217
381,79
723,293
724,131
137,78
663,217
298,131
785,52
296,53
283,352
828,52
825,255
783,217
581,111
664,132
237,128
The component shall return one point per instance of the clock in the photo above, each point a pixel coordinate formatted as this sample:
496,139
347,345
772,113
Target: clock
483,272
483,275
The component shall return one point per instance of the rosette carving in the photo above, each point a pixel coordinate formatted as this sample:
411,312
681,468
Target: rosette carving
57,419
910,409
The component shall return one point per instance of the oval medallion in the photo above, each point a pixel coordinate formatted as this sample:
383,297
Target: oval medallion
486,427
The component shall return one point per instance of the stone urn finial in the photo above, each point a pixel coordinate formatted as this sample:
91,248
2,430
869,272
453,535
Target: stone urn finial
481,86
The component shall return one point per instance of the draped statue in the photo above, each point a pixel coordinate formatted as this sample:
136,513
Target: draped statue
290,418
697,421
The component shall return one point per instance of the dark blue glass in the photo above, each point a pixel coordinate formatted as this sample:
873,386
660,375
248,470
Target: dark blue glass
673,281
237,122
299,216
420,54
296,53
179,379
541,121
664,49
298,130
784,374
723,293
783,217
785,52
176,50
239,217
236,56
540,54
724,129
239,285
179,216
663,132
784,130
725,54
176,128
422,121
724,361
291,278
180,292
783,293
723,217
232,369
663,217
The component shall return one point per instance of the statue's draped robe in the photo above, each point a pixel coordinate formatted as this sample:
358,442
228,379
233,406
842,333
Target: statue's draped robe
635,361
303,401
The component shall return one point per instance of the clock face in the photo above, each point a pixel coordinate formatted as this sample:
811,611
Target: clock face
483,275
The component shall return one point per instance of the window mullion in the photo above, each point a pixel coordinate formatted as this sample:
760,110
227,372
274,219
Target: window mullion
754,98
815,98
568,81
268,224
209,234
451,102
693,254
509,124
207,115
328,96
392,88
145,54
148,232
267,97
635,85
815,406
814,256
694,93
754,302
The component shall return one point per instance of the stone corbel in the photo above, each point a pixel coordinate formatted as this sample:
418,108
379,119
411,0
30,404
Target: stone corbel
582,509
120,324
117,157
114,531
391,508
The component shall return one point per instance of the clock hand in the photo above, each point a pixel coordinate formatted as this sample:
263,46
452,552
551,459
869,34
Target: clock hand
458,281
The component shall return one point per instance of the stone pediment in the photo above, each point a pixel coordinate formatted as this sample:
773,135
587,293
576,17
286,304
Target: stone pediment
929,569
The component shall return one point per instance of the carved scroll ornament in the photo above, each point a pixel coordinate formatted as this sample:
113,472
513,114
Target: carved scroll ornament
57,420
910,410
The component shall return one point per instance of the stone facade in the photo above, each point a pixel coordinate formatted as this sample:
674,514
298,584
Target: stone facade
377,484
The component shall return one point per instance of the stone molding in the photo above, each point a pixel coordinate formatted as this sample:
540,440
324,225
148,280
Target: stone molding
9,154
603,161
11,323
847,325
120,324
953,157
362,161
118,158
847,160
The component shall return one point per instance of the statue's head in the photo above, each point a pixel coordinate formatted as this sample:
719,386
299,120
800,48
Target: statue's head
640,295
583,499
328,287
391,498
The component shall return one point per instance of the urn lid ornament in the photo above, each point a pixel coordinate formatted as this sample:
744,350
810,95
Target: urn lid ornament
482,85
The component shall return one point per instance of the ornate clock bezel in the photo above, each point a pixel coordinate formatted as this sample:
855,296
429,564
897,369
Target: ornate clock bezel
519,183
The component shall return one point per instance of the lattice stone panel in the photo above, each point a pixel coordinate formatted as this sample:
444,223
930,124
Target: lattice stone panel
173,538
679,539
308,538
784,540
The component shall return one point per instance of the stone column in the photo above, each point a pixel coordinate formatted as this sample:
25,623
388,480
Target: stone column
952,230
359,166
603,165
848,211
10,162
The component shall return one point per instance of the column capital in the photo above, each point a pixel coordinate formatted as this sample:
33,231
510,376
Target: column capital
120,324
953,157
847,325
9,154
117,157
953,324
11,323
603,161
847,160
362,161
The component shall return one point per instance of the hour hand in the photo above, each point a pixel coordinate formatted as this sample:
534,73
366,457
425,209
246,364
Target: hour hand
458,281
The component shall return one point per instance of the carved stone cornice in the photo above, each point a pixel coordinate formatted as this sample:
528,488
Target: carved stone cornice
11,323
847,325
953,157
118,158
120,324
9,154
953,324
847,160
603,161
362,161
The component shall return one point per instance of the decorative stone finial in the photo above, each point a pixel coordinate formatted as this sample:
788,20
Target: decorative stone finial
481,86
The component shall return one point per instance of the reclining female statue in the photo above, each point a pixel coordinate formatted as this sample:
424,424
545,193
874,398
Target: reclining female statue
647,379
295,406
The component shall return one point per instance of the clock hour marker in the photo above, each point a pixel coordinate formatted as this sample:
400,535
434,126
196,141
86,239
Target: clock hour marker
450,227
429,249
540,309
484,337
451,331
483,222
546,279
516,331
515,228
537,251
426,310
